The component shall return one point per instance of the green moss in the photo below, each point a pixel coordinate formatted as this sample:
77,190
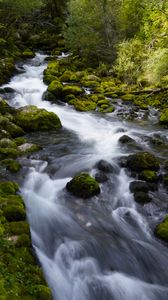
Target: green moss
7,143
31,118
55,88
142,161
17,228
28,148
23,240
14,213
10,127
12,165
163,120
102,102
8,187
148,175
28,53
161,230
83,185
19,141
83,104
42,292
48,78
4,107
72,90
8,153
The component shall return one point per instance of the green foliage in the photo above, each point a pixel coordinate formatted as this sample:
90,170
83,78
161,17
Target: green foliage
92,29
129,60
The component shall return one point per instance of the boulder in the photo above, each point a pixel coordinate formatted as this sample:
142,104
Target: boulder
101,177
72,90
139,186
125,139
142,197
142,161
31,118
149,176
161,230
104,166
12,129
55,88
83,185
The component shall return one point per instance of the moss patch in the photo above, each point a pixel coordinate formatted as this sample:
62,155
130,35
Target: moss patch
83,185
161,230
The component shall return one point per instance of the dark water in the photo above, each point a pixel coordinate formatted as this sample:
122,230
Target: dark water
103,248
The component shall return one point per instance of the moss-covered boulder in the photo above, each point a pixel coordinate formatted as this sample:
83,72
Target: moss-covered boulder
10,127
12,165
161,230
149,176
55,88
7,143
83,104
28,53
28,148
4,107
31,118
163,120
142,161
14,213
83,185
8,187
72,90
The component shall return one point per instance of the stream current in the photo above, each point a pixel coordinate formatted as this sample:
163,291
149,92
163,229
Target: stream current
98,249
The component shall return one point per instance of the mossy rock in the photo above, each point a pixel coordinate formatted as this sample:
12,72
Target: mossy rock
102,102
14,213
23,240
8,187
8,153
161,230
42,292
92,78
10,127
19,141
7,143
83,105
149,176
28,53
28,148
83,185
55,88
12,165
68,76
142,161
128,97
17,228
163,120
4,107
48,78
31,118
72,90
142,197
52,68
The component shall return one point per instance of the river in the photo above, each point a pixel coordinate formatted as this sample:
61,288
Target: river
98,249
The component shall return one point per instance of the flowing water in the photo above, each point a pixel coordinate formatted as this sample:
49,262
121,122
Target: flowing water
98,249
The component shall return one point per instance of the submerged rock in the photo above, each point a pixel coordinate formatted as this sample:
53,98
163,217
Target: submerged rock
31,118
101,177
161,230
142,197
83,185
104,166
125,139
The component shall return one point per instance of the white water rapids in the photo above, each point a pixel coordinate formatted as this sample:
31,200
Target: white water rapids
101,249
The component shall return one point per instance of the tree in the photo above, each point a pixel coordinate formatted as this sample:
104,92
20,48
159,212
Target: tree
92,30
